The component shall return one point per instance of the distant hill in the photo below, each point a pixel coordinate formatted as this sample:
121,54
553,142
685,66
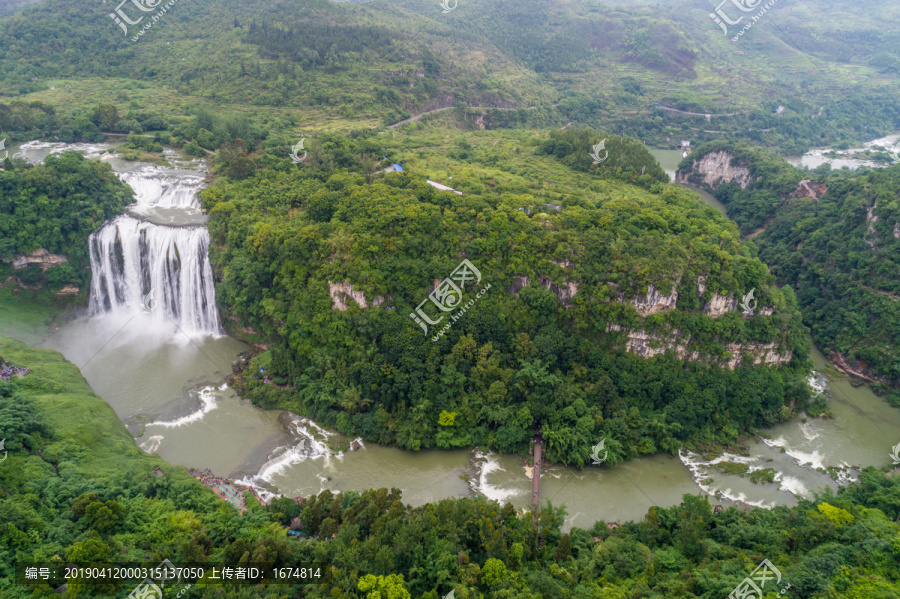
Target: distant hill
361,65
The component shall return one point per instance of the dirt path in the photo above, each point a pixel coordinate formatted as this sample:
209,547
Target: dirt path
708,116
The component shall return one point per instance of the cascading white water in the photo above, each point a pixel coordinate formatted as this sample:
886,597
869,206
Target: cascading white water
141,267
155,186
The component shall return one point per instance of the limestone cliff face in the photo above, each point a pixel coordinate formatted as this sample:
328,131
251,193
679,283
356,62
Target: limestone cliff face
719,305
39,256
565,292
716,170
654,302
648,345
341,292
871,236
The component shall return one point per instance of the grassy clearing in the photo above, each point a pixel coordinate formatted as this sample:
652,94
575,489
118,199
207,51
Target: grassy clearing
24,314
86,435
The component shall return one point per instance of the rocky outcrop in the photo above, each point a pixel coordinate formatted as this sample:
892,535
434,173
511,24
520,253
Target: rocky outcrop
39,256
759,353
654,302
701,284
340,292
68,290
716,170
564,292
518,284
896,230
648,345
719,305
871,235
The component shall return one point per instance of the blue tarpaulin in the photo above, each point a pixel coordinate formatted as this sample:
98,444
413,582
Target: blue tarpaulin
398,168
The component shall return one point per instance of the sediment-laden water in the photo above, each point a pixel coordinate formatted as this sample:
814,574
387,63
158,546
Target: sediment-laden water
163,369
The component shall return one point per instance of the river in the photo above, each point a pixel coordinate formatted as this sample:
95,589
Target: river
162,371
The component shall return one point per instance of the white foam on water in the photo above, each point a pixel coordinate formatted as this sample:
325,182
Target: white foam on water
157,186
811,430
489,464
792,485
151,445
742,498
90,150
284,457
814,459
309,447
818,382
696,465
207,404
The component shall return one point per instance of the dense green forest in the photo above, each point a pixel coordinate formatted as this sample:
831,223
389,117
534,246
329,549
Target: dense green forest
76,488
656,72
56,206
544,347
580,281
840,251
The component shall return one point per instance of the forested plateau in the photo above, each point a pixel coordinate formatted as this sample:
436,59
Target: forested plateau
612,314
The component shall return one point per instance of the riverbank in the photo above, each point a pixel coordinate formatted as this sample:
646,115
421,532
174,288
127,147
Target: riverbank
228,490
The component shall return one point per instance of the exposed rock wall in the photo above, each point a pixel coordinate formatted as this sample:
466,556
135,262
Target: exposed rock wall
648,345
654,302
871,236
719,305
565,292
716,170
39,256
341,292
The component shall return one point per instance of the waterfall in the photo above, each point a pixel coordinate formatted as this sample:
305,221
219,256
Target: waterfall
141,267
154,186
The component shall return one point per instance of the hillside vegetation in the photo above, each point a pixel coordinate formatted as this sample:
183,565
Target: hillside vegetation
75,488
325,262
840,250
657,71
56,206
